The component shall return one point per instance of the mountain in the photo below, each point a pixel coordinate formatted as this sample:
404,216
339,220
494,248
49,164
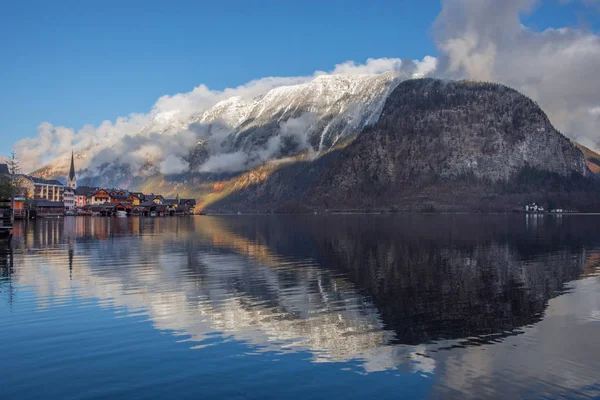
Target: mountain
367,141
238,134
447,145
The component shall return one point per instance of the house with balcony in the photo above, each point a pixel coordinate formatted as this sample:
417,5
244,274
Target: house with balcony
69,198
98,197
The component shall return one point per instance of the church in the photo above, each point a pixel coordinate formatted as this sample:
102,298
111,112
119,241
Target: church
69,196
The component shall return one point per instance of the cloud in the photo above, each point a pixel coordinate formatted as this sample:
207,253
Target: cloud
227,162
173,165
169,129
486,40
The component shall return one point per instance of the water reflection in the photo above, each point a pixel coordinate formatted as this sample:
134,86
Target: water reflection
389,292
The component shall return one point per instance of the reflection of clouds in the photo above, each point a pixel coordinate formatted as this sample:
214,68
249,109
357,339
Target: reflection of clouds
195,289
561,352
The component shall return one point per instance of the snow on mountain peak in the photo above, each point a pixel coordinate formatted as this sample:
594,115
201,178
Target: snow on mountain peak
308,116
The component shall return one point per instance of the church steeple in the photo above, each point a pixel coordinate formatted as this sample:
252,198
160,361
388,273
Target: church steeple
72,180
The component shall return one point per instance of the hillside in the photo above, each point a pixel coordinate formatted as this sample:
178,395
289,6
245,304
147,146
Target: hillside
592,159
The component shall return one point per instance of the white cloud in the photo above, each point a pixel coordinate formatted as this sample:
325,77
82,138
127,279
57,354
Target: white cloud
164,131
372,66
173,165
485,40
228,162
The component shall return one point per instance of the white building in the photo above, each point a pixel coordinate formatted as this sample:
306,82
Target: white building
41,189
69,198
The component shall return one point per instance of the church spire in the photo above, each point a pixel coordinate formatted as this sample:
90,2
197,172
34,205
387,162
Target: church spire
72,181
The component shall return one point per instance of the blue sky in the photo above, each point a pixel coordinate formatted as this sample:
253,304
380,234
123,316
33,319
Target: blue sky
80,62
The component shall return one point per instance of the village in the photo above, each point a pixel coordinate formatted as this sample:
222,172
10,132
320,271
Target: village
43,198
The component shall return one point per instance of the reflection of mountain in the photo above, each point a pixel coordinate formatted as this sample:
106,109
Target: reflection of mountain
340,287
197,279
443,277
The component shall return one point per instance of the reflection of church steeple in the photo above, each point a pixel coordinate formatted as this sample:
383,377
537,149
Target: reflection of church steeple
72,181
70,262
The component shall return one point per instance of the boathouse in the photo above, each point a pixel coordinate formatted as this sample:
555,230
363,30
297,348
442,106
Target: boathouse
47,208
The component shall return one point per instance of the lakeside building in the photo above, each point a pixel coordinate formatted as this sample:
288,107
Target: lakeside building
20,211
82,193
101,196
46,208
69,200
41,189
134,199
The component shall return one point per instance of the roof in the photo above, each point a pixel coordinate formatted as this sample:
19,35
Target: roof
94,192
171,201
4,169
119,197
85,190
41,181
47,203
111,190
191,202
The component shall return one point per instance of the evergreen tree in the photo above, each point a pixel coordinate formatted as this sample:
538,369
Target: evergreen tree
10,184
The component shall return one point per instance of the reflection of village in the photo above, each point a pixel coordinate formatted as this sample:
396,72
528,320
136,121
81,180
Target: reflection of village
39,197
196,277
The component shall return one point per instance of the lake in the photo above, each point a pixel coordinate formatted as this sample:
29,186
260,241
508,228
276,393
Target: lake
302,307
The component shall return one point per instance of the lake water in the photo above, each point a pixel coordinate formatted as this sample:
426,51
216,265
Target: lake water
310,307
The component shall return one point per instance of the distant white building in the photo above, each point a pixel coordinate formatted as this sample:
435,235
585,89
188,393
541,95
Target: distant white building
534,208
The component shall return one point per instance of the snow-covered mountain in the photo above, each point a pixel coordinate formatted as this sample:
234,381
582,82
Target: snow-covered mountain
238,133
340,104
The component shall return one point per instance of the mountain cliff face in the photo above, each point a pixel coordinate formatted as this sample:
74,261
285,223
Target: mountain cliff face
448,143
435,132
433,129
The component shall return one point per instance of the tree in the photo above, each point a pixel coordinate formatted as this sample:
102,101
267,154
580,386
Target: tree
14,169
6,189
9,185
